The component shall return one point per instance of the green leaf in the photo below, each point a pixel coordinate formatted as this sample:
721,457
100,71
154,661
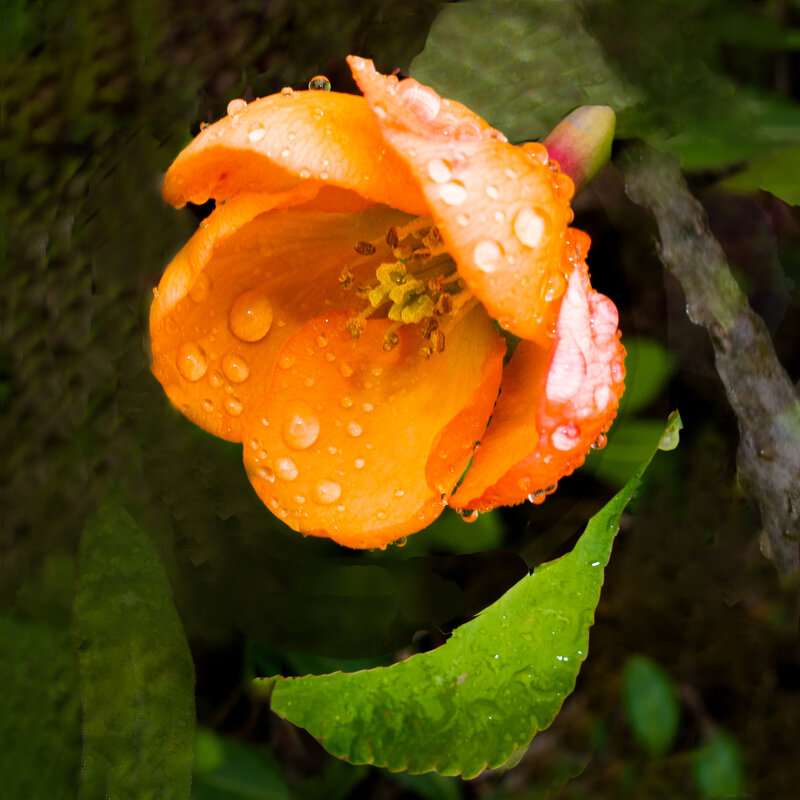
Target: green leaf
717,767
524,76
778,173
651,704
476,700
136,671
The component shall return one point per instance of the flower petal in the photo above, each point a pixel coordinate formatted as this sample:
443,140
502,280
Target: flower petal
276,142
502,212
339,444
553,405
241,286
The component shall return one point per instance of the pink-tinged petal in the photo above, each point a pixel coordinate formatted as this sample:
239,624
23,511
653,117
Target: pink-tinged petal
277,142
340,442
553,405
503,213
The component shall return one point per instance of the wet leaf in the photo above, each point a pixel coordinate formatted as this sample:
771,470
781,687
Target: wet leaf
651,704
476,700
137,677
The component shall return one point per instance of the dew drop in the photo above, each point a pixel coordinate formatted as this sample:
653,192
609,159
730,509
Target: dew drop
467,131
305,173
469,516
439,170
600,442
208,405
493,192
346,401
257,133
319,83
322,341
266,474
554,287
499,216
359,463
286,361
346,370
250,316
565,437
327,492
200,288
354,429
529,227
287,91
463,220
235,107
286,469
453,193
235,367
233,406
420,100
215,379
330,357
617,371
488,255
368,407
192,361
300,427
285,152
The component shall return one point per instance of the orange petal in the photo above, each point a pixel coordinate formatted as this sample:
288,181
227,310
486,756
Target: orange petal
502,212
244,283
279,141
339,444
553,405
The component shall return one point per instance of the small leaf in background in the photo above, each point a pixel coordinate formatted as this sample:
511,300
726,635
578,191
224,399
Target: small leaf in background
651,704
648,366
476,700
778,173
717,767
137,676
228,770
628,444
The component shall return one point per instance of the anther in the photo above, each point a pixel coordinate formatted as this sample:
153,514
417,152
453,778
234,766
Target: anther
392,237
437,341
429,325
444,305
402,252
356,327
346,278
422,254
432,239
390,338
365,248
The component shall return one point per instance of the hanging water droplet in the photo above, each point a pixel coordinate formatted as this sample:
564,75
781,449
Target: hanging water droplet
300,427
286,469
600,442
191,361
439,170
327,492
488,255
468,516
250,316
233,406
529,227
200,288
235,367
236,106
453,193
319,83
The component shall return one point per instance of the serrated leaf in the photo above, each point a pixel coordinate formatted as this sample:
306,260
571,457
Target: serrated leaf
476,700
778,173
137,677
524,76
651,704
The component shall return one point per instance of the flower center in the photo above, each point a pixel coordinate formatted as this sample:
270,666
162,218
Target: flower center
418,284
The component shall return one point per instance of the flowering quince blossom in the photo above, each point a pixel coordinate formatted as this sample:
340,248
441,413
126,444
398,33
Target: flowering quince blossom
338,311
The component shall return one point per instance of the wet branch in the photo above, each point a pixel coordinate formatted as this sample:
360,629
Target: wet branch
759,390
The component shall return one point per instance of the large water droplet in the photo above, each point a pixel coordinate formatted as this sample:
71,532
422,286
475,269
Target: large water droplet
565,437
235,367
319,83
453,193
327,492
439,170
488,255
192,361
236,106
200,288
529,227
300,427
250,316
286,469
420,100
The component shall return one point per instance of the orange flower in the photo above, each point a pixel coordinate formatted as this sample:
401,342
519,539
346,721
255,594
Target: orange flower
336,312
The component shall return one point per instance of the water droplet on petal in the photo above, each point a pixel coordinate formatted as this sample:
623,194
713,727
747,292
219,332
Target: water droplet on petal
327,492
250,316
529,227
266,474
200,288
493,192
554,287
467,131
319,83
286,469
469,516
285,152
287,91
463,220
565,437
488,255
208,405
235,367
439,170
420,100
286,361
192,362
359,463
257,133
300,427
354,429
305,173
346,401
346,370
233,406
236,106
453,193
215,379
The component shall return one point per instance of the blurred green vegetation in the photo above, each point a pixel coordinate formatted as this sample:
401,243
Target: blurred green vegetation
98,96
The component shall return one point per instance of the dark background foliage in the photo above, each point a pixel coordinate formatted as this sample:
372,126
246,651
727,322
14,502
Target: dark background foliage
98,97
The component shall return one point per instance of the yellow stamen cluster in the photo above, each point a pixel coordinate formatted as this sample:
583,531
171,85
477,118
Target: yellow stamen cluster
420,284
